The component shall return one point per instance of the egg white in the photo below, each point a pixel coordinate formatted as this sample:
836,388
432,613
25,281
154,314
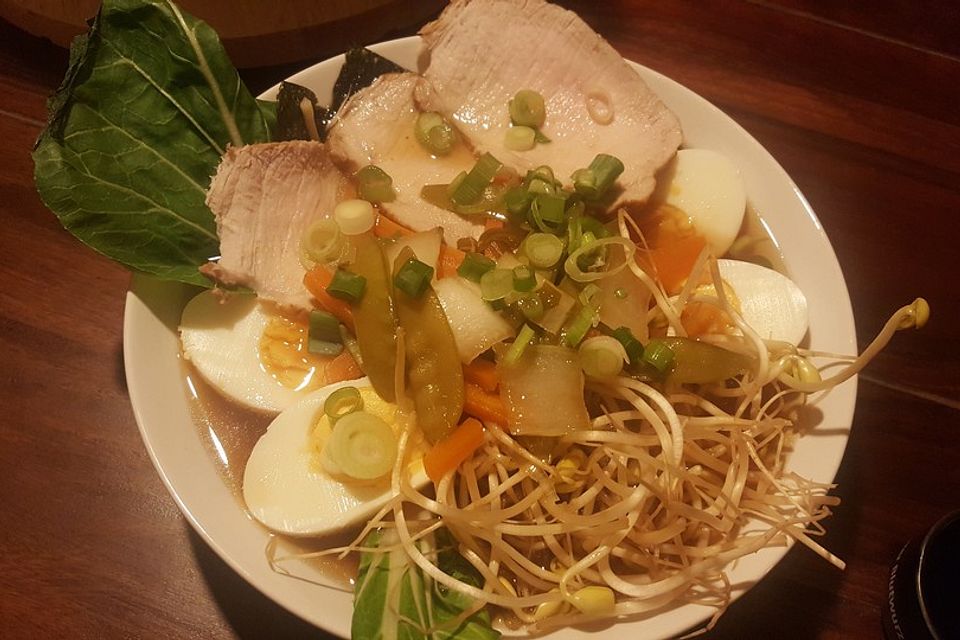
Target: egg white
286,487
221,338
707,186
771,303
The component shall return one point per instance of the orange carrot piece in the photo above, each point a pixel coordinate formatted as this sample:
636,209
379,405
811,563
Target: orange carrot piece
449,453
485,406
492,223
483,373
342,367
387,228
316,281
450,259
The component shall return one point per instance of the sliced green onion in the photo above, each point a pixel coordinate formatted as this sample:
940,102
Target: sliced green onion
588,295
455,183
413,278
496,284
474,265
323,336
631,345
547,211
341,402
584,181
527,109
594,226
517,201
361,446
572,267
519,345
594,181
540,138
322,243
524,279
543,249
541,180
590,258
434,133
471,187
520,138
347,286
659,355
539,185
375,185
602,357
532,307
574,232
354,216
585,319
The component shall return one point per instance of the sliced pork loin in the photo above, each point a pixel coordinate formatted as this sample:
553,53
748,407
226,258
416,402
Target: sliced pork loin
264,196
483,51
376,126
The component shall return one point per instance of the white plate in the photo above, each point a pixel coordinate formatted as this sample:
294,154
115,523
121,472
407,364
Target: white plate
157,392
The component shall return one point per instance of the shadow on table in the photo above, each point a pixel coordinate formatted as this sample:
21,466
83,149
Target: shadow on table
249,613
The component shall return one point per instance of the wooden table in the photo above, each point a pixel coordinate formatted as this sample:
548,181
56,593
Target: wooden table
859,105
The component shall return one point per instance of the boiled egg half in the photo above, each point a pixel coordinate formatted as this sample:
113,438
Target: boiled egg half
286,484
770,303
707,187
250,352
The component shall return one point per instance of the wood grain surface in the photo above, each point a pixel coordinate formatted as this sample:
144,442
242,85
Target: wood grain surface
858,101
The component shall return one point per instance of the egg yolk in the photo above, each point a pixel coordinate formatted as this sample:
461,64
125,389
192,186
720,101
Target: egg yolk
284,354
673,246
700,318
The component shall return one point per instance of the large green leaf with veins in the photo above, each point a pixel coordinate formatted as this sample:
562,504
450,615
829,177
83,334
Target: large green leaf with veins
149,104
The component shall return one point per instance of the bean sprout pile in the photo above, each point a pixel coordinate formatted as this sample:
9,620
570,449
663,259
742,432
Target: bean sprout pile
650,505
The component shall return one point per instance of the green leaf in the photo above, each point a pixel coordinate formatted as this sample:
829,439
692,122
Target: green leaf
393,598
149,103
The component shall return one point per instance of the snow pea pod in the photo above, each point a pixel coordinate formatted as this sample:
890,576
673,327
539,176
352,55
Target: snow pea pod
701,363
434,374
374,316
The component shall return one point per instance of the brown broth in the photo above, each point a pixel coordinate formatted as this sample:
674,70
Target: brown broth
229,432
755,243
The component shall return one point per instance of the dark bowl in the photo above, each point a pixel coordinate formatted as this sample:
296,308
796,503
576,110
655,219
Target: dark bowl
922,597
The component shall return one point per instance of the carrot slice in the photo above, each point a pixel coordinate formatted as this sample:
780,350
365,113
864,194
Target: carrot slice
387,228
492,223
483,373
449,453
316,281
342,367
450,257
485,406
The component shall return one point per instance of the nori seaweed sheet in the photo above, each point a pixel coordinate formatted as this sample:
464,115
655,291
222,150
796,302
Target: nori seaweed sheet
290,124
359,70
